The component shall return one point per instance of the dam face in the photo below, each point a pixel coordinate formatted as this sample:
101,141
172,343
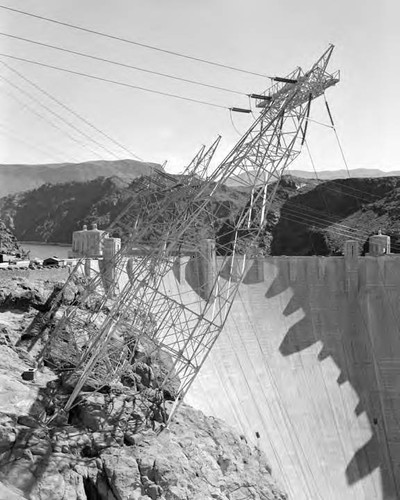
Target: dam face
308,368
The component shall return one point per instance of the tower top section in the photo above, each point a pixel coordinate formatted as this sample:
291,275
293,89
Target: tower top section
303,86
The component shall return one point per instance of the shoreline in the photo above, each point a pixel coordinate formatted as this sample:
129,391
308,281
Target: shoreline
44,243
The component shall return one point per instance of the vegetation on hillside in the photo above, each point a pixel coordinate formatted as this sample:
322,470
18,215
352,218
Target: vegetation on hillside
307,217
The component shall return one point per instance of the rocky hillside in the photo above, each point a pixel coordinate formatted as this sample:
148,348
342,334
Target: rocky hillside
8,242
52,213
112,444
17,178
317,221
307,217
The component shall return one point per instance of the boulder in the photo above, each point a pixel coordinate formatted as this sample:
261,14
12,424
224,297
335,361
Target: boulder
10,493
45,478
91,412
201,457
67,484
122,472
21,294
7,433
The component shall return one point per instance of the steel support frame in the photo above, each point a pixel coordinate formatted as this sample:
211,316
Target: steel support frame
187,331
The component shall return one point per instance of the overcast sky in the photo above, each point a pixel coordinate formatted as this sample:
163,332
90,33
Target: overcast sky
264,36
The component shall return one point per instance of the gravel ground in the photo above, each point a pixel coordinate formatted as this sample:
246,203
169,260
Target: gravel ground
45,274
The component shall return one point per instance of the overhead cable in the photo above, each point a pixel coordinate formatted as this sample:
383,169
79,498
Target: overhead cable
130,66
376,365
36,86
16,137
344,187
344,230
115,82
48,120
336,135
132,42
60,117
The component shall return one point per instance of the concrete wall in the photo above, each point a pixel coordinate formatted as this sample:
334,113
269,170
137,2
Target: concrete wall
92,243
308,367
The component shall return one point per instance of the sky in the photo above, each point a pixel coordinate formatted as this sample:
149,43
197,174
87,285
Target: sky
270,37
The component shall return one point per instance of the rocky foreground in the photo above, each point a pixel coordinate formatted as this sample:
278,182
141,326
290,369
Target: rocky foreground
113,444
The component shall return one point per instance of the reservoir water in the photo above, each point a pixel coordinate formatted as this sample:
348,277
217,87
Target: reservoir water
44,250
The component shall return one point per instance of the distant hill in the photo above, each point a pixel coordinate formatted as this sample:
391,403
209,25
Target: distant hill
356,173
307,217
51,213
343,174
17,178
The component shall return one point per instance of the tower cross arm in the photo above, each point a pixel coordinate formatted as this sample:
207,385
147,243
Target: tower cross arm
302,85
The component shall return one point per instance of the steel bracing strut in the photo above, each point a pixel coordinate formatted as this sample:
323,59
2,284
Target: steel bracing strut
187,322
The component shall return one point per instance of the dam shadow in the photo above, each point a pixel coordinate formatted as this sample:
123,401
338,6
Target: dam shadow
308,355
305,369
336,315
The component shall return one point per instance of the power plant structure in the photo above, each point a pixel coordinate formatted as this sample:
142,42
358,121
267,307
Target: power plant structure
297,353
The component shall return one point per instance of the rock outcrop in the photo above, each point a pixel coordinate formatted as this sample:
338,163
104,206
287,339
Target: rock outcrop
8,242
307,217
113,444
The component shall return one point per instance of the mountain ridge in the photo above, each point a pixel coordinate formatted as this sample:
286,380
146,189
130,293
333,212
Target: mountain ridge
307,216
15,178
344,174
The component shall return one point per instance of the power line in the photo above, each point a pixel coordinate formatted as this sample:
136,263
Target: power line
132,42
345,189
376,366
115,82
74,127
130,66
55,155
70,110
336,135
344,230
51,122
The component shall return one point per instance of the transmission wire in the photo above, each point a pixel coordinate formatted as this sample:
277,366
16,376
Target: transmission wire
115,82
56,156
147,46
110,61
336,135
343,449
60,117
51,122
70,110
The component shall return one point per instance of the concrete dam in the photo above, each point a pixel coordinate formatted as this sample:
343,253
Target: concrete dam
308,368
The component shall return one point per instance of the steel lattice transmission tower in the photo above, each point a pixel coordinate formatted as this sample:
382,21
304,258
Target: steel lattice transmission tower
150,197
186,322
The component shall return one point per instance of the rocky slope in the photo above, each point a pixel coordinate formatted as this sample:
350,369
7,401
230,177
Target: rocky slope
113,444
52,213
17,178
8,242
318,221
307,216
